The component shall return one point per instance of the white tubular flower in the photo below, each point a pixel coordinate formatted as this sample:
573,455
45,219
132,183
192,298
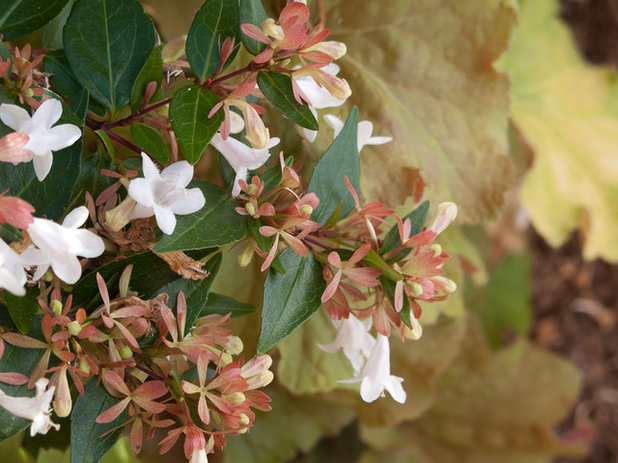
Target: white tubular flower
376,375
12,274
241,157
37,408
446,214
163,194
353,337
319,97
198,456
43,138
59,245
364,134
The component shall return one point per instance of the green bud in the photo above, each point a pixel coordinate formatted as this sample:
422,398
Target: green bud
436,248
306,209
49,276
252,189
75,328
415,289
250,208
28,93
84,365
126,352
236,398
56,307
244,420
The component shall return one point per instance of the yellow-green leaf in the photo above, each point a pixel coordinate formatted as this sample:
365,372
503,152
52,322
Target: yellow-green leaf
563,108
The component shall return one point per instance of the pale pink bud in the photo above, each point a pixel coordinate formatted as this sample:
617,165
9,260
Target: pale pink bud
63,403
12,148
337,87
446,214
16,212
274,31
332,48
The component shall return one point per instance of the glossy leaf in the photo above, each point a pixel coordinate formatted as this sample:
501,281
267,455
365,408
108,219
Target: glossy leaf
389,289
21,17
52,32
251,12
277,88
150,140
214,22
290,299
152,71
327,181
222,305
23,309
196,291
216,224
88,442
106,43
417,221
90,178
189,111
16,360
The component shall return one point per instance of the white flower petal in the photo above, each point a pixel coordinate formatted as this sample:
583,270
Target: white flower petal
181,173
86,244
76,218
395,389
192,201
140,212
14,116
370,389
62,136
140,190
35,408
379,140
148,167
335,122
47,114
42,164
68,268
166,220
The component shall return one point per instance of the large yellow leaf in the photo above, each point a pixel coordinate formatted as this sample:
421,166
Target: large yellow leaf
489,408
563,109
423,72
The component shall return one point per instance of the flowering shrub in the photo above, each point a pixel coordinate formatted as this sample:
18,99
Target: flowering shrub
131,170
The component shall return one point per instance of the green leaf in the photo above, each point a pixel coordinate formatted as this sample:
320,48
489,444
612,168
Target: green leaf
106,43
222,305
277,88
152,71
189,111
21,17
272,177
290,299
327,181
23,309
150,141
196,291
216,224
90,179
251,12
88,444
214,22
52,32
16,360
374,260
417,221
9,233
107,143
149,273
389,289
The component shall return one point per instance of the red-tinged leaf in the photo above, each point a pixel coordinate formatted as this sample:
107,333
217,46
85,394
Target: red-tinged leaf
137,435
364,276
15,379
103,291
334,259
149,405
130,311
113,412
170,321
21,340
127,334
116,382
223,405
202,410
151,390
331,288
359,254
296,244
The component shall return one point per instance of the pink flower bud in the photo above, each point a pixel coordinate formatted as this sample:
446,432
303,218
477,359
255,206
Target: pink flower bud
12,148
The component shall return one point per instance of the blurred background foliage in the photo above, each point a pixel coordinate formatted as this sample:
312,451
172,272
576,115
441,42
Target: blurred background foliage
492,105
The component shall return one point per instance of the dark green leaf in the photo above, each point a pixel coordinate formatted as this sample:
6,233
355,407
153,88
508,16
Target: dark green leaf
152,71
90,178
417,221
150,141
21,17
277,88
216,224
290,299
88,442
16,360
23,309
251,12
389,288
52,32
272,177
196,291
213,23
189,111
373,259
222,305
9,233
106,43
265,243
340,160
4,52
149,274
226,170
